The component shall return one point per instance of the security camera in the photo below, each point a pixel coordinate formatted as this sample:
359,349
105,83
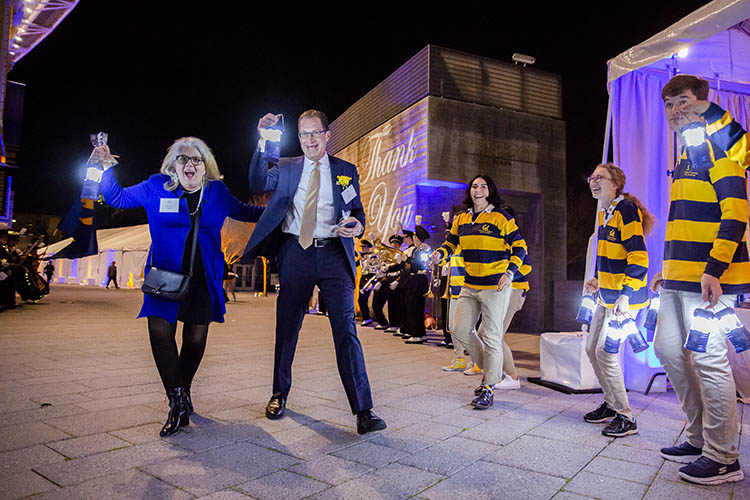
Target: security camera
523,59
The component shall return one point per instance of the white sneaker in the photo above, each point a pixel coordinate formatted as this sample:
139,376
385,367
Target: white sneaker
473,369
508,384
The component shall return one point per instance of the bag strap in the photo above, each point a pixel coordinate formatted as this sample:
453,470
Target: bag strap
195,236
195,239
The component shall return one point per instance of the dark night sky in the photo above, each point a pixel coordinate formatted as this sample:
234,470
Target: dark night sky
150,72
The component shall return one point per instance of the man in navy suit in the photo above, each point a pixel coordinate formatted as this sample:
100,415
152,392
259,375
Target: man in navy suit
309,224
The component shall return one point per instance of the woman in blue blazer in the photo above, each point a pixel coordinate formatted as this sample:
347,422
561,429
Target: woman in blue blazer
187,190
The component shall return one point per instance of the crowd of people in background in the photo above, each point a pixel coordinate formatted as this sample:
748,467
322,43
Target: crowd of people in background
19,265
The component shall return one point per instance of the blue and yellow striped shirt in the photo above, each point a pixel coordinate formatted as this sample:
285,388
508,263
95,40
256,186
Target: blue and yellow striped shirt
728,135
491,246
708,214
621,260
521,279
457,273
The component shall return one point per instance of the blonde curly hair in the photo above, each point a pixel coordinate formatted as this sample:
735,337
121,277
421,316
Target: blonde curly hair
167,165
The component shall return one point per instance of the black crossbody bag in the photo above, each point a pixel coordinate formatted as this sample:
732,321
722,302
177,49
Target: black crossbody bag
167,284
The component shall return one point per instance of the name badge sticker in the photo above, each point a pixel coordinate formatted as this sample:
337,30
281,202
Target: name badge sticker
348,194
169,205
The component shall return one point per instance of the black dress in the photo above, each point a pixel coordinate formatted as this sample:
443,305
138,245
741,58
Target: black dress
196,308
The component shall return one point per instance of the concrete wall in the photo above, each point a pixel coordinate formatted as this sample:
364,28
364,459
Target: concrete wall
525,155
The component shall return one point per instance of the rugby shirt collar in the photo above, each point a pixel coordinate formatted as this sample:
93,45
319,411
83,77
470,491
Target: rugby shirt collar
610,210
489,209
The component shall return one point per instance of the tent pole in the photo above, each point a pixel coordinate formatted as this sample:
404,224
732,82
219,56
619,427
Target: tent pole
607,129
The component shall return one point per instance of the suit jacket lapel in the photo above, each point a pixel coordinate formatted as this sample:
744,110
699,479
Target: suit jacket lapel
335,190
295,175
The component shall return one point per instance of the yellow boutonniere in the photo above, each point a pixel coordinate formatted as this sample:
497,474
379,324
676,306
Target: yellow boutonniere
343,181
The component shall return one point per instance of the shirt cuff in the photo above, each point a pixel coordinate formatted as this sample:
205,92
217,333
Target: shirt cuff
715,269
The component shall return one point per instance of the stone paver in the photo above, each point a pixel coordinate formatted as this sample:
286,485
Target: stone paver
23,483
533,453
600,486
218,468
395,481
120,486
282,484
88,445
81,405
485,480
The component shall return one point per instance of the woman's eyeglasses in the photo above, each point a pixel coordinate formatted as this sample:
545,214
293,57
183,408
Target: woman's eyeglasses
183,159
595,178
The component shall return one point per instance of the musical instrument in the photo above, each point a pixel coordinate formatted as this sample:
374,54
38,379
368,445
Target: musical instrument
379,262
29,284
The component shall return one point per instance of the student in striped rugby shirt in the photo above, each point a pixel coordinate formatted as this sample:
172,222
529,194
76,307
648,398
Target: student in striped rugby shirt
520,288
705,261
493,250
620,283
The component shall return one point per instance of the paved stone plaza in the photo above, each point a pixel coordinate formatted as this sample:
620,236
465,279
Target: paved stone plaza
81,406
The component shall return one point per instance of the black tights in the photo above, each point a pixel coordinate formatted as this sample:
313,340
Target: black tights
176,370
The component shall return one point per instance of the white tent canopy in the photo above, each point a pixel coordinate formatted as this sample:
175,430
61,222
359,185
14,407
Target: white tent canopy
717,46
717,39
127,246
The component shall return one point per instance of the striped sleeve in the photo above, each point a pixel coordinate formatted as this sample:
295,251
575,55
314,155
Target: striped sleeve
631,234
521,280
517,245
728,180
729,135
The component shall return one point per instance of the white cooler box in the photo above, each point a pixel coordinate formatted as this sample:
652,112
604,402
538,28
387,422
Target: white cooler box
563,361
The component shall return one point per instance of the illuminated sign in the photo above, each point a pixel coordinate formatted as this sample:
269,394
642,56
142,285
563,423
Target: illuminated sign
391,159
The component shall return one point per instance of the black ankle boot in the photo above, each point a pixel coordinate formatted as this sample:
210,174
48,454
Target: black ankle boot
188,400
178,412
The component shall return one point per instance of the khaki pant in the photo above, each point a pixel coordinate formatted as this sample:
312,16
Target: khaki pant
703,381
487,352
607,366
517,299
458,347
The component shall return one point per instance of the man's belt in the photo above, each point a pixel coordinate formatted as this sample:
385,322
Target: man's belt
317,242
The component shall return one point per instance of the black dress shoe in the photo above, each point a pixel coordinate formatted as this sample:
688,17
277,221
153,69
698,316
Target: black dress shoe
367,421
276,407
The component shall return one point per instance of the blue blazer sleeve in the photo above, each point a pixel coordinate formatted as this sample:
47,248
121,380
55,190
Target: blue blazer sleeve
131,197
238,210
262,178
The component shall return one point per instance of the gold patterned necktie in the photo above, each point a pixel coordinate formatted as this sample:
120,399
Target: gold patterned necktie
310,212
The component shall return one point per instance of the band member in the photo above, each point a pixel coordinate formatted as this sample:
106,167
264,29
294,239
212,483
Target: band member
519,290
386,290
416,287
402,283
367,274
314,213
705,261
455,283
